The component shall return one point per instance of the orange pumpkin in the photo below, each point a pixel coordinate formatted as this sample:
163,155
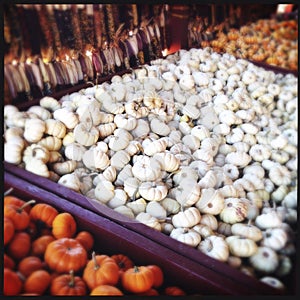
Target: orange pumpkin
12,284
43,214
29,264
158,275
85,239
106,290
68,285
16,201
8,262
19,246
18,215
151,292
32,230
64,255
174,291
101,269
8,230
123,261
37,282
137,279
40,244
64,226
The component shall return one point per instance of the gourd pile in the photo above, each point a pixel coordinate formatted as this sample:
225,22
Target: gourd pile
46,253
201,146
270,41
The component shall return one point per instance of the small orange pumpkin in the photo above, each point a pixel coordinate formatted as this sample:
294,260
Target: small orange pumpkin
8,262
40,244
12,284
43,213
37,282
123,261
158,275
64,255
8,199
138,279
29,264
68,285
8,230
174,291
85,239
18,215
101,269
151,292
64,226
19,246
106,290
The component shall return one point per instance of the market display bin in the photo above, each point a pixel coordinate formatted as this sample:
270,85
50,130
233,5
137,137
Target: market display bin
213,273
111,238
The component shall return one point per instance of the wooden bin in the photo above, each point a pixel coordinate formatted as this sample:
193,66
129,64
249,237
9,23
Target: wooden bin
239,283
112,238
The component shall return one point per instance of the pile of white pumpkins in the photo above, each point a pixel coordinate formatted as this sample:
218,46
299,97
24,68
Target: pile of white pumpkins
200,146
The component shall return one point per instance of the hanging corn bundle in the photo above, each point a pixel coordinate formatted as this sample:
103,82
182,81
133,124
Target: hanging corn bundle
15,31
54,29
97,26
110,21
47,39
76,28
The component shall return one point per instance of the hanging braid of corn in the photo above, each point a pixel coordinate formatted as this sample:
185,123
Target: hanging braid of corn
47,40
76,28
135,20
110,21
17,37
54,29
97,26
90,24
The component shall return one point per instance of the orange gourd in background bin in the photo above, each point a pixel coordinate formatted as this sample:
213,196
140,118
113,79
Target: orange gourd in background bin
64,255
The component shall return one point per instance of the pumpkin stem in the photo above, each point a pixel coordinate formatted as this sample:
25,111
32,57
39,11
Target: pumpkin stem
136,269
249,222
20,209
134,194
72,279
8,191
96,265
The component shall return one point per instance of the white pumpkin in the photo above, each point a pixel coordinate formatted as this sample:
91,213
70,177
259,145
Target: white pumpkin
241,246
148,220
153,191
211,201
146,168
248,231
265,260
186,236
215,247
234,211
104,191
34,130
187,192
187,218
274,238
